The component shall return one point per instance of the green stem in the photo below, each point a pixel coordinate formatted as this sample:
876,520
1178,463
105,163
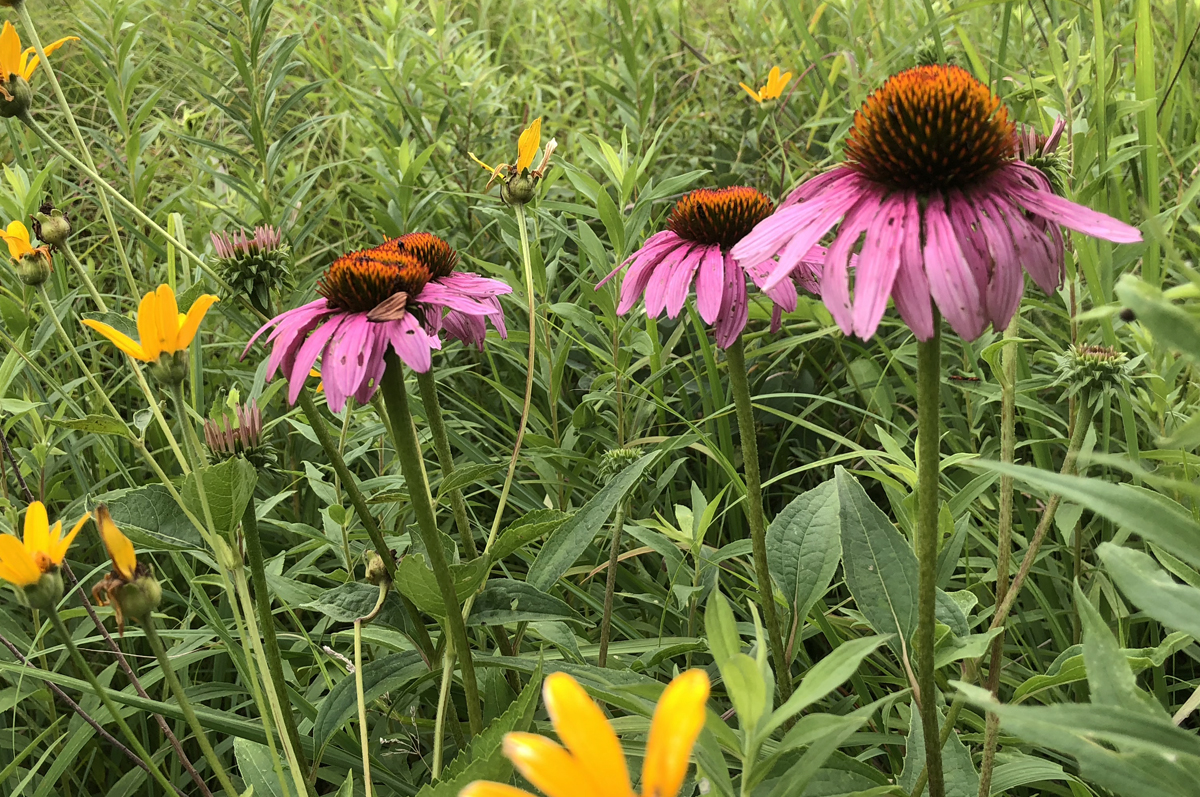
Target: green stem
610,585
360,691
185,705
395,398
102,693
199,460
929,385
441,445
317,422
1008,445
262,601
738,379
439,725
81,272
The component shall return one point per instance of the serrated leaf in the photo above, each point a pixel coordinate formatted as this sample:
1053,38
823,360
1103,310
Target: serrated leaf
804,546
228,487
152,519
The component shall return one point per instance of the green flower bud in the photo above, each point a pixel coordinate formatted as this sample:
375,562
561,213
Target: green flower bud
51,225
614,461
140,597
45,594
519,189
1101,371
34,268
15,96
170,369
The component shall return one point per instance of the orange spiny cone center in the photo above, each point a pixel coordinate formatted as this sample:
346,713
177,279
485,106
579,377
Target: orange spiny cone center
436,255
721,216
930,128
359,282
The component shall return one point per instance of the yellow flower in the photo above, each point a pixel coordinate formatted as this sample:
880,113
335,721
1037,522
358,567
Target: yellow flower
17,238
162,329
593,764
317,374
131,587
774,88
14,60
120,549
42,551
527,147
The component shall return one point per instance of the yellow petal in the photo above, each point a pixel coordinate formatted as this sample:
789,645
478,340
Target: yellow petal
59,548
119,339
757,97
678,719
23,63
549,767
37,529
168,318
471,155
527,145
27,69
187,330
120,549
773,77
16,565
487,788
50,48
10,50
584,729
147,324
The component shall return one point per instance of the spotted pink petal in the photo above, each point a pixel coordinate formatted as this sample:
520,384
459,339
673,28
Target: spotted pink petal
710,284
910,291
951,282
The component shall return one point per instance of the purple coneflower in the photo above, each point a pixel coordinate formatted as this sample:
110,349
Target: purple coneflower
265,239
702,229
372,299
943,209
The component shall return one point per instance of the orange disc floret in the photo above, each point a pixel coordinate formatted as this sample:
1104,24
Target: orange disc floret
720,216
930,128
437,255
359,282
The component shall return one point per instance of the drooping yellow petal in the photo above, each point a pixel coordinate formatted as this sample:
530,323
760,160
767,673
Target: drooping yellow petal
147,324
168,318
754,94
58,547
16,565
487,788
187,330
677,722
585,731
37,529
10,50
527,145
23,62
549,767
17,238
120,549
491,169
119,339
27,69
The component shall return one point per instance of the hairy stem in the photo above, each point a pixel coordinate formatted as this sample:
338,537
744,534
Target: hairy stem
441,445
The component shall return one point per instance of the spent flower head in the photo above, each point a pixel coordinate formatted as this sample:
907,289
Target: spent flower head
130,587
51,225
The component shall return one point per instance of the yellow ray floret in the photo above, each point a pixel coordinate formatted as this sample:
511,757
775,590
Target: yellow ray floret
22,63
162,329
43,549
120,549
17,238
527,145
776,83
592,763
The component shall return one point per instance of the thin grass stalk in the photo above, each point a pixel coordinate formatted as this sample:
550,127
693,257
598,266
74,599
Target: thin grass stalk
395,397
740,384
359,690
929,386
185,705
441,445
610,585
81,272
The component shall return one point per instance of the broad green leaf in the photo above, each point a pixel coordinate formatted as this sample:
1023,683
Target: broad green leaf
879,563
256,769
569,542
747,689
347,787
1110,679
826,675
525,530
228,487
955,648
804,546
1025,770
1174,326
347,602
465,476
99,424
152,519
419,585
957,768
505,600
832,732
392,673
1152,589
721,629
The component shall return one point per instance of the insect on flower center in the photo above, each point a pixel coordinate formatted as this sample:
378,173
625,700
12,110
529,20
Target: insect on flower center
359,282
721,216
434,253
930,128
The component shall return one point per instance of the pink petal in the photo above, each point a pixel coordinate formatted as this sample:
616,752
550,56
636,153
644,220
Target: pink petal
877,265
656,288
663,240
344,363
835,278
710,284
1071,215
776,319
467,283
951,283
375,367
1039,253
1008,280
910,291
835,204
411,343
816,185
307,356
679,281
735,310
442,296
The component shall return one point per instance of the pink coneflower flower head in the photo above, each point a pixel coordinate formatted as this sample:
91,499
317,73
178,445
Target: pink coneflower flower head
371,299
703,228
265,239
937,207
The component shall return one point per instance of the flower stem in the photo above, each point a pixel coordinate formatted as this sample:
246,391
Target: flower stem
81,272
395,398
929,386
359,502
262,601
1008,445
738,379
610,585
102,693
439,726
441,445
185,705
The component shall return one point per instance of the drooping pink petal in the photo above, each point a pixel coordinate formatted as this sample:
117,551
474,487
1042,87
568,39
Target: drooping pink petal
1069,214
648,249
910,290
951,283
637,279
375,366
308,354
877,265
298,316
835,203
344,362
710,284
471,330
679,280
835,278
439,295
1035,250
476,286
1007,279
735,309
810,188
656,288
411,343
963,222
776,318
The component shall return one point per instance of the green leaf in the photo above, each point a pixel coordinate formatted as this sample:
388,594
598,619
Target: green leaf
99,424
152,519
825,733
228,487
347,602
419,585
1152,589
465,476
721,629
525,530
955,648
1151,515
256,769
957,769
568,543
747,689
393,673
347,787
879,563
505,601
1110,679
804,545
1174,326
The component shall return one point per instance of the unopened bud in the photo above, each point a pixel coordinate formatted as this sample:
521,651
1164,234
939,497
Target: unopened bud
34,267
139,597
15,96
51,226
170,369
1100,370
377,572
616,460
45,594
519,189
